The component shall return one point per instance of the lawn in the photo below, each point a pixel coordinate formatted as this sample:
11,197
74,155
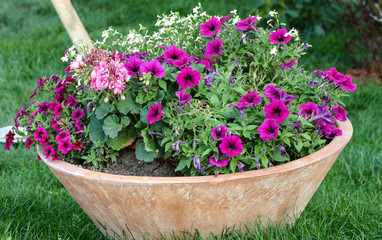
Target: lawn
34,204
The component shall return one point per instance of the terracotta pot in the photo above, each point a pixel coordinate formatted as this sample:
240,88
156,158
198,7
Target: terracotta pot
160,205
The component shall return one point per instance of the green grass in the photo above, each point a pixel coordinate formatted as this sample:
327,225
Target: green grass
34,205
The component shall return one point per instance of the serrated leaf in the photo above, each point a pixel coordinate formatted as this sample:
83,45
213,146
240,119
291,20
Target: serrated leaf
142,154
125,121
102,111
149,141
122,140
128,105
95,130
111,126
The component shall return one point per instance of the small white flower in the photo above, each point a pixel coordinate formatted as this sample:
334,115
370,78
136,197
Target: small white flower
234,12
283,24
274,50
258,17
64,59
196,8
273,13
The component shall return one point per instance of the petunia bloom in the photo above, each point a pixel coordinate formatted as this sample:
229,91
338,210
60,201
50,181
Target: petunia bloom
28,142
154,67
43,107
247,24
278,94
79,125
331,131
78,145
65,145
289,64
219,162
348,85
214,48
211,27
307,109
49,151
188,78
155,113
174,54
62,135
279,37
219,132
40,134
77,114
249,99
133,66
183,96
276,110
268,130
231,145
339,113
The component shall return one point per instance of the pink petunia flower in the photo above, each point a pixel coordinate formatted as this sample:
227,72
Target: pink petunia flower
65,145
154,67
133,66
276,110
348,85
231,145
79,125
8,144
183,96
56,156
249,99
188,78
43,107
77,114
289,64
339,113
58,110
40,134
183,62
223,19
211,27
45,140
174,54
247,24
219,163
278,94
279,37
219,132
331,131
155,113
307,109
268,130
62,135
78,145
29,142
49,151
214,48
334,75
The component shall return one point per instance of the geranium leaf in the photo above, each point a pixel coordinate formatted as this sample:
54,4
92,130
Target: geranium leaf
128,105
102,111
142,154
122,140
95,130
112,126
125,121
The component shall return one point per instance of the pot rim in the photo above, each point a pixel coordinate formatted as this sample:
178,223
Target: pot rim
338,142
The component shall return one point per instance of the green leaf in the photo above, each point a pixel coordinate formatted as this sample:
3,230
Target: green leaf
233,165
182,164
286,141
95,130
306,136
125,121
111,126
298,145
215,100
169,76
251,127
102,111
21,133
162,84
277,156
148,139
128,105
142,154
122,140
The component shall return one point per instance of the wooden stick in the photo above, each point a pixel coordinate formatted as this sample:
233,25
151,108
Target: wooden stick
71,22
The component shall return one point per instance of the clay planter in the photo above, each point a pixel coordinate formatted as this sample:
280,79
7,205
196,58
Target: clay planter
157,205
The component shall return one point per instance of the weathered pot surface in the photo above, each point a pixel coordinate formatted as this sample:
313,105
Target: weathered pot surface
130,205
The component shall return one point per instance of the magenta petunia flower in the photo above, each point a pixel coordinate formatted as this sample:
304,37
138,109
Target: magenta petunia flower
29,142
219,132
188,78
62,135
307,109
348,85
335,76
211,27
278,94
65,145
56,156
247,24
79,125
71,101
183,62
324,115
183,96
154,67
279,37
77,114
276,110
249,99
331,131
339,113
49,151
214,48
155,113
43,107
56,123
40,134
223,19
173,54
133,66
231,145
8,143
219,163
45,140
58,110
78,145
289,64
207,65
268,130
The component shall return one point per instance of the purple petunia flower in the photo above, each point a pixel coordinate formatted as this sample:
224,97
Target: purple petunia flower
214,48
278,94
155,113
289,64
279,37
29,142
312,84
197,163
40,134
183,96
211,27
77,114
231,145
65,145
62,135
133,66
219,162
154,67
282,149
240,166
219,132
188,78
208,79
249,99
268,130
276,110
231,80
173,54
339,113
176,144
324,115
331,131
307,109
49,151
247,24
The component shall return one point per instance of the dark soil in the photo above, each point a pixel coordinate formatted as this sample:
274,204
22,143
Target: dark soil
128,164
